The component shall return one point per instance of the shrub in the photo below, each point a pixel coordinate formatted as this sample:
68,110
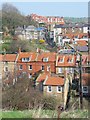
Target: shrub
41,41
49,102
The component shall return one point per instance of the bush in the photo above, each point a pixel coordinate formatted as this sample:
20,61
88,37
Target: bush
41,41
49,102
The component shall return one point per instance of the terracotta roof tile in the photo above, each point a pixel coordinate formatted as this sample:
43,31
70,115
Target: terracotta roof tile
26,55
42,77
51,56
54,81
65,60
50,80
82,43
9,57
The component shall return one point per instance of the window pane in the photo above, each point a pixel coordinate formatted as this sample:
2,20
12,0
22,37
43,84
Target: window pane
49,88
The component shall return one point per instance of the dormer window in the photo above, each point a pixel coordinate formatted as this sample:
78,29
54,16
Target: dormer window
45,59
61,60
70,60
26,59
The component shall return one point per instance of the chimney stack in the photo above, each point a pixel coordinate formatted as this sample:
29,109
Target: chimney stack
19,51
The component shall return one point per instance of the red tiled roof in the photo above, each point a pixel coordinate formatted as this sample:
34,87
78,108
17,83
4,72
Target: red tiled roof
42,77
82,43
72,35
27,54
51,56
54,81
65,60
9,57
50,80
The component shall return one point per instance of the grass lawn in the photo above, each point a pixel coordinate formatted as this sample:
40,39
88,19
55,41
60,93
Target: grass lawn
44,114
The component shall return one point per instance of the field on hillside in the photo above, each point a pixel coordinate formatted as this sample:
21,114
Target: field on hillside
44,114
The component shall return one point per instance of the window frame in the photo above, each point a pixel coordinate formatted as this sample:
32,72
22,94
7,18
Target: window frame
45,59
20,67
5,68
30,75
83,89
42,67
60,69
48,88
30,67
25,59
58,89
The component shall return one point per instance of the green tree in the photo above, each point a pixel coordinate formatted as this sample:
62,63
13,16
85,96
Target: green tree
23,44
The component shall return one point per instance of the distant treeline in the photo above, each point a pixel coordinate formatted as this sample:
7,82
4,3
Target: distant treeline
76,20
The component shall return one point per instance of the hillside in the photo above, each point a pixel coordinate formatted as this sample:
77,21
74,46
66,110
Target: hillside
12,17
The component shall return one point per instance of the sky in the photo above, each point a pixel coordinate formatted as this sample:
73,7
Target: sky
65,9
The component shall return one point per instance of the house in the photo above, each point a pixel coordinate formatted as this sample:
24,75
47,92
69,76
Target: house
9,64
65,62
86,64
31,62
40,33
51,85
31,31
26,63
73,38
86,28
68,32
46,61
47,19
26,33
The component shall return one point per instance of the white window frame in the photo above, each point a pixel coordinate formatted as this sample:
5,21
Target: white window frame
83,90
48,89
20,68
30,76
45,59
61,60
70,70
48,68
25,59
42,66
60,69
58,89
29,67
5,68
70,60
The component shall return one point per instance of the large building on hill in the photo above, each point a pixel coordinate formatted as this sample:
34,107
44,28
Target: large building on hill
47,19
